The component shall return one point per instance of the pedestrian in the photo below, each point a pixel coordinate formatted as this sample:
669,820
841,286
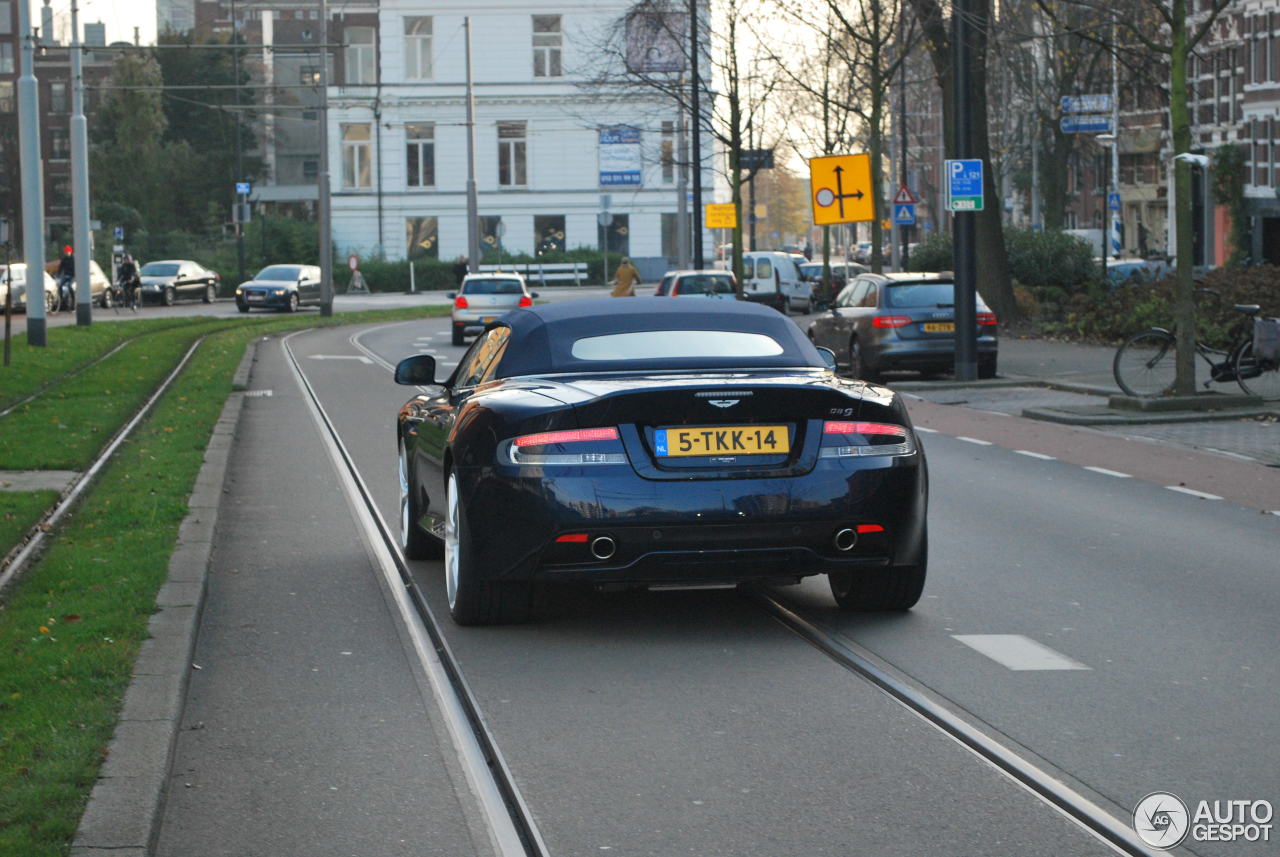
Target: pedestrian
625,280
460,267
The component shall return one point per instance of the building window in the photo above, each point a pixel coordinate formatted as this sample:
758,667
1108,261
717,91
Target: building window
59,144
490,240
420,154
422,236
548,233
309,74
616,237
547,42
357,170
6,96
310,169
6,20
417,48
60,193
57,97
670,235
512,143
360,59
6,57
667,153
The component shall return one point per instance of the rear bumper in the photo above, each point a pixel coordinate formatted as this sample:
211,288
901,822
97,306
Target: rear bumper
925,353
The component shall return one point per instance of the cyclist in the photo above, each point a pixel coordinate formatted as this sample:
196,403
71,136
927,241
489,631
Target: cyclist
130,282
67,278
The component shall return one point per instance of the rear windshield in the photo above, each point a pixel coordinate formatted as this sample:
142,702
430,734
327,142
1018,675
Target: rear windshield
668,344
905,295
492,287
278,272
159,269
663,286
706,284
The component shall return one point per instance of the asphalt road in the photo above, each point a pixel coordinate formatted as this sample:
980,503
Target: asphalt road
691,723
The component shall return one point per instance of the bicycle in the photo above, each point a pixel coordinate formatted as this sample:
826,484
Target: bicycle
122,295
1145,365
66,294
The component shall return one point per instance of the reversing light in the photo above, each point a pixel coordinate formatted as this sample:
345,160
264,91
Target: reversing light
986,318
526,301
460,302
571,436
891,321
863,428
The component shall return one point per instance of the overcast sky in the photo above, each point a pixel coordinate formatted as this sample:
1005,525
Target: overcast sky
120,16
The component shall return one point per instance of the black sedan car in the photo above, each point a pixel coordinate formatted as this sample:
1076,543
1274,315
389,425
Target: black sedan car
648,443
285,287
168,280
883,322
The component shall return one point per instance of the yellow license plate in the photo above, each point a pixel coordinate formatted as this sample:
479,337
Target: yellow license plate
722,440
940,327
488,318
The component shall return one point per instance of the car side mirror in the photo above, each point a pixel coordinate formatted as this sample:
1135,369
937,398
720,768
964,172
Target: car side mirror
417,371
533,295
451,295
828,357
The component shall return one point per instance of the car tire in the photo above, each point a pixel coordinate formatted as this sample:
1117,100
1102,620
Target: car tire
414,541
210,293
896,587
786,305
170,296
51,302
987,368
473,600
105,300
459,336
292,305
858,367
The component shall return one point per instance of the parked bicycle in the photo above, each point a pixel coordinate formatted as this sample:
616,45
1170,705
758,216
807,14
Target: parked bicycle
1145,365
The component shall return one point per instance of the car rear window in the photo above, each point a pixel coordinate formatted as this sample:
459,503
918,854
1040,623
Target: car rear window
706,284
668,344
278,272
158,269
492,287
663,286
906,295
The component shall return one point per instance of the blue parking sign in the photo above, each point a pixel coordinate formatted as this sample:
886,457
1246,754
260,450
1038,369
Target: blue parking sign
964,185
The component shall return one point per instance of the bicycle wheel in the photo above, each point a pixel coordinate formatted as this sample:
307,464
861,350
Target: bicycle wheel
1146,365
1255,376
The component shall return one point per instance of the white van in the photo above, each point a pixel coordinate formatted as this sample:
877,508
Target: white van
773,278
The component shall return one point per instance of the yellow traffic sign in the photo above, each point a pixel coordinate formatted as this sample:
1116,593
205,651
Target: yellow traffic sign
840,189
722,215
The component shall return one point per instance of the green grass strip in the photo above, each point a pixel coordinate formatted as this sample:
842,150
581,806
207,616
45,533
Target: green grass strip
69,348
19,510
71,626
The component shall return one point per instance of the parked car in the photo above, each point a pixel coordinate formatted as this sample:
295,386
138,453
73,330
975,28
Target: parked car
709,284
164,282
285,287
773,278
882,322
824,293
484,297
18,270
99,285
648,442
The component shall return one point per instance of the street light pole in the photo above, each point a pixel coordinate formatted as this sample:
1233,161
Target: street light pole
322,200
80,178
32,180
964,226
695,122
473,202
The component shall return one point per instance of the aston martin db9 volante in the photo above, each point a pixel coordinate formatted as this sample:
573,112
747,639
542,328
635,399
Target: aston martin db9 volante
644,443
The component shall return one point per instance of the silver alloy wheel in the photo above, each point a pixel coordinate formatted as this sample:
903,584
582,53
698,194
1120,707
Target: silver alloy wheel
170,296
403,470
452,550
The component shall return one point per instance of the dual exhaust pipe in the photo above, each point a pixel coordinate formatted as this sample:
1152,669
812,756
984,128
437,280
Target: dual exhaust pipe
604,547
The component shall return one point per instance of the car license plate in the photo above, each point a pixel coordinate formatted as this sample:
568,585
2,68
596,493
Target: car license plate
488,318
940,327
255,299
722,440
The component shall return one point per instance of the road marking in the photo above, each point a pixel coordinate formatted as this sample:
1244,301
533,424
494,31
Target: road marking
926,430
1039,455
973,440
1194,493
1105,472
258,394
1018,652
359,357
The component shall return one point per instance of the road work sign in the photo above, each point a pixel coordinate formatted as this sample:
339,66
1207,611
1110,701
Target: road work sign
840,188
722,215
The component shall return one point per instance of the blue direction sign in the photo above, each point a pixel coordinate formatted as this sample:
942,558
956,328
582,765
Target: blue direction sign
244,188
904,213
1085,103
1085,123
964,185
1113,201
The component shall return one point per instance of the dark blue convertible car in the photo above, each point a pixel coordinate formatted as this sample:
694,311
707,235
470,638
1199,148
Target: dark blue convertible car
643,443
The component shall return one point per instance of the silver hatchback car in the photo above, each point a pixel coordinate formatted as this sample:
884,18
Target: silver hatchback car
484,297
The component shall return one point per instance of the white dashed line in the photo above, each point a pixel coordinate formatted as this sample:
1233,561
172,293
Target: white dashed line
1105,472
1202,495
1039,455
992,413
1018,652
973,440
926,430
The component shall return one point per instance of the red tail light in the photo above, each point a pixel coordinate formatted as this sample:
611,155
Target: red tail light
986,318
460,302
526,301
571,436
863,428
863,529
891,321
573,538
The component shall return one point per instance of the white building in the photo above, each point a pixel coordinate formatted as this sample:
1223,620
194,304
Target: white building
548,148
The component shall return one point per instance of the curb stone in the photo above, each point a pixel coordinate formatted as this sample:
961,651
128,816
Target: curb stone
122,817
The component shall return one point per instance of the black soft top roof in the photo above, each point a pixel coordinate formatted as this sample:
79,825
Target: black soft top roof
542,336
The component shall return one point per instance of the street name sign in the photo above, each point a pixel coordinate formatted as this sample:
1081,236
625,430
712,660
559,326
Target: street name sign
722,215
840,189
1100,103
1085,123
964,185
904,213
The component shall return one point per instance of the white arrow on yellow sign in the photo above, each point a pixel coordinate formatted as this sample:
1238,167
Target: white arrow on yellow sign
840,189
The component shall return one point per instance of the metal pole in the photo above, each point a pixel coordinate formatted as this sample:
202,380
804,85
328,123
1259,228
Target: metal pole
322,192
902,112
1115,144
473,202
80,179
240,198
32,180
695,120
682,193
963,223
